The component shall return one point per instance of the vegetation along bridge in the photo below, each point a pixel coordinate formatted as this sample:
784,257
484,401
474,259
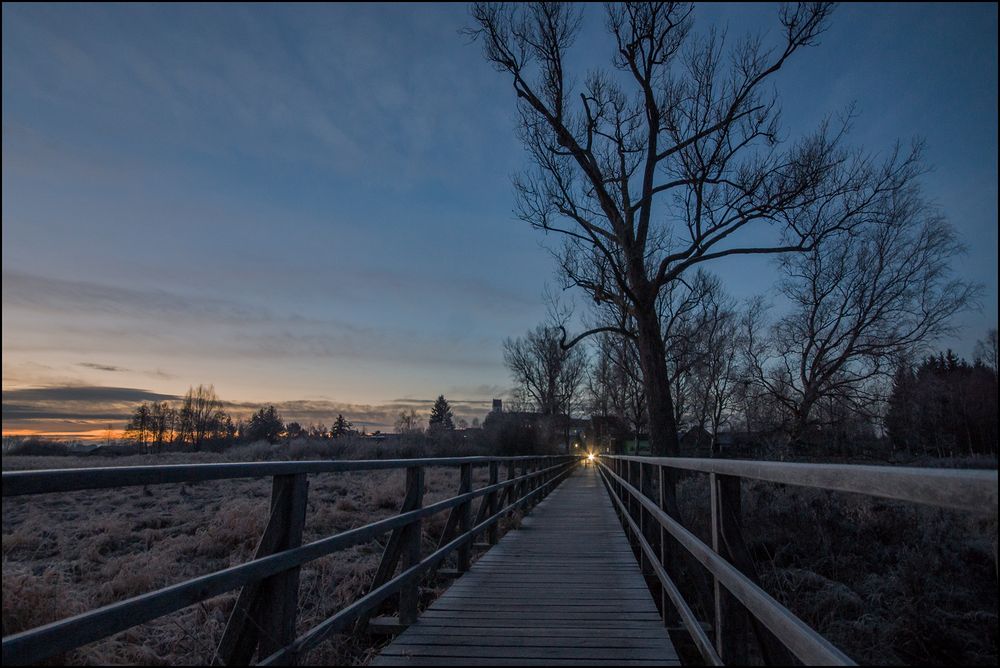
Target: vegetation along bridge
568,587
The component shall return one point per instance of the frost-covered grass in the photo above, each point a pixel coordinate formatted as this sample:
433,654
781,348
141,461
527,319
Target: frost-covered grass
888,583
65,554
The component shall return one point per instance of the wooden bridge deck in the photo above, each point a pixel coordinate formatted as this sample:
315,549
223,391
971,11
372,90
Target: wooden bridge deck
564,589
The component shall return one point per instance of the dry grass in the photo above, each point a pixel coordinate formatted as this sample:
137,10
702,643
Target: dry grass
65,554
889,583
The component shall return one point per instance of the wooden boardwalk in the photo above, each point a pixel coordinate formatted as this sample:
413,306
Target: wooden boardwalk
564,589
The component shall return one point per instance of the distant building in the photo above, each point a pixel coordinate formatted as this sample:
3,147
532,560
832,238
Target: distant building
497,406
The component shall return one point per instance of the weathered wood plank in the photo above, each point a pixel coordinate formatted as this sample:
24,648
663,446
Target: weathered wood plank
497,661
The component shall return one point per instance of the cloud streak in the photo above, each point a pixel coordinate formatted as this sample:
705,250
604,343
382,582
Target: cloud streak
70,408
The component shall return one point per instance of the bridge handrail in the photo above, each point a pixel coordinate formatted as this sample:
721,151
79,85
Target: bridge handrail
274,561
960,489
19,483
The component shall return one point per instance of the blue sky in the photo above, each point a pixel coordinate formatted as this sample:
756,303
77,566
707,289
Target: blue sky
313,203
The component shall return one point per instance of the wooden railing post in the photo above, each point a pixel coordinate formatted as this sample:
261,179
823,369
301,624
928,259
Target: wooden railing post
667,558
264,616
634,507
650,527
533,485
492,533
465,519
730,629
410,543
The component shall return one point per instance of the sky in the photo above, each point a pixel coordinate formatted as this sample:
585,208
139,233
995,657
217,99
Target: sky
311,205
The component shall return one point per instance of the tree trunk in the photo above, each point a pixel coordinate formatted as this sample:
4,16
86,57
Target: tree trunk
656,383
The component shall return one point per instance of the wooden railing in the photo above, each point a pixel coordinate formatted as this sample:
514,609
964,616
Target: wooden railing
631,480
263,619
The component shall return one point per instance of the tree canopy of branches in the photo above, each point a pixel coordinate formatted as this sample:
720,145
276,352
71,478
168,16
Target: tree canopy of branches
544,371
441,417
614,384
200,416
986,350
140,427
265,425
408,422
858,306
671,160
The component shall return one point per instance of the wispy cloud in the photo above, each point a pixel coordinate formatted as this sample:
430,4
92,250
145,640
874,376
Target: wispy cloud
72,407
131,319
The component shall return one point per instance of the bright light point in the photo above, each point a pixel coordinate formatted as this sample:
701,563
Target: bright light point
590,457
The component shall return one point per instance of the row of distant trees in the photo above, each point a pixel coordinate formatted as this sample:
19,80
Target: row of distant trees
199,421
732,369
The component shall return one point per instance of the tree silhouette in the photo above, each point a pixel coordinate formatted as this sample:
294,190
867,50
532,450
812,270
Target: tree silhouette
441,417
340,427
265,425
675,160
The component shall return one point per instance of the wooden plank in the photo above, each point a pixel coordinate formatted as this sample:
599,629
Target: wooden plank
492,636
528,652
498,661
662,647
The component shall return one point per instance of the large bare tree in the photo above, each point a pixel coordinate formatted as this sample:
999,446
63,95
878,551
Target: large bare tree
670,160
546,373
858,306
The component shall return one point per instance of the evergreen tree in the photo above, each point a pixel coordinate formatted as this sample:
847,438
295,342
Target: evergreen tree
340,427
441,417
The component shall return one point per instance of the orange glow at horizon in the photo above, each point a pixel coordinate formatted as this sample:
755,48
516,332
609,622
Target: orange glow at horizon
85,435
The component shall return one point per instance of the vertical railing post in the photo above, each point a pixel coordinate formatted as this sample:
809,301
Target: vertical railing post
410,538
465,519
670,617
492,533
281,591
634,507
534,481
649,525
263,619
511,490
645,520
730,632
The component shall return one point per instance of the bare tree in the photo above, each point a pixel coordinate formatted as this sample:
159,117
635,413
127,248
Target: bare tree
408,422
615,384
140,426
986,350
200,415
547,373
667,163
715,372
163,420
860,304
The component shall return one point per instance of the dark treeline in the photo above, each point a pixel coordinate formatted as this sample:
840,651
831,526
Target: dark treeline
199,422
944,407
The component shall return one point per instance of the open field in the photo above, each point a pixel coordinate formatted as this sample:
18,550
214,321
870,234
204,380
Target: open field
69,553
